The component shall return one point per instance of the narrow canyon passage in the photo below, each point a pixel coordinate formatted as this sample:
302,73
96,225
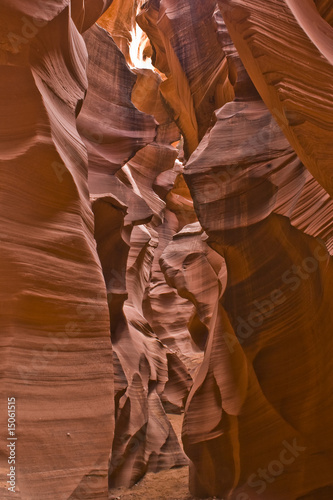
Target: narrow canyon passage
166,249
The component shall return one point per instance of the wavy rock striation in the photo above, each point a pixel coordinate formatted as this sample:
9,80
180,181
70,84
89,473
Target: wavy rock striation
247,184
297,88
205,186
127,149
56,356
187,51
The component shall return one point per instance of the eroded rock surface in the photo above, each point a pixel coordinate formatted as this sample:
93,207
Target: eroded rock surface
126,154
278,278
298,91
183,215
56,356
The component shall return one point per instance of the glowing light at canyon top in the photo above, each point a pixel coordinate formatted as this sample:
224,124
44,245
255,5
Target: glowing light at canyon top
137,47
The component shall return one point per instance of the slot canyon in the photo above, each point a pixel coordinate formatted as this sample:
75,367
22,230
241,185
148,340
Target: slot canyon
166,315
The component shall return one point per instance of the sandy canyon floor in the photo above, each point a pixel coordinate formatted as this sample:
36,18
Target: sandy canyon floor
166,485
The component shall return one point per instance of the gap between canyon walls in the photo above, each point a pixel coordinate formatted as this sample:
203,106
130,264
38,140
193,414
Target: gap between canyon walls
166,248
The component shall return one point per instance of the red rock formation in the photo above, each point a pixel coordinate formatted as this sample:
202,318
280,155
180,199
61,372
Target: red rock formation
158,178
244,245
198,273
246,181
172,329
187,51
56,357
273,344
113,129
146,372
119,20
144,439
299,92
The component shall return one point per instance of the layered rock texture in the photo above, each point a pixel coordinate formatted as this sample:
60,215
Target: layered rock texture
56,357
167,234
127,212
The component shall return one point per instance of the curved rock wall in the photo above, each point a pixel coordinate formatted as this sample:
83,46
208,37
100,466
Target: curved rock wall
247,184
127,211
271,335
56,357
298,91
182,215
